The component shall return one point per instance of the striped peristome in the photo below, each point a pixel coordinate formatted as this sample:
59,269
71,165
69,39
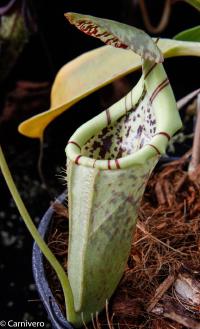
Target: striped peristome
110,159
118,35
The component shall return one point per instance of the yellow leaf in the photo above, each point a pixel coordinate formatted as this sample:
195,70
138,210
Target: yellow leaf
90,72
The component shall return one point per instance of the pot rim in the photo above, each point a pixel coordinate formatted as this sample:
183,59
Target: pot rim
53,310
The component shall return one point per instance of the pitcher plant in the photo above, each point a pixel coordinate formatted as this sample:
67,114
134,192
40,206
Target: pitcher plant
109,161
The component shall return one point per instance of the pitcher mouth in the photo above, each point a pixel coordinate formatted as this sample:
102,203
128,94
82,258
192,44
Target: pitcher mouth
136,128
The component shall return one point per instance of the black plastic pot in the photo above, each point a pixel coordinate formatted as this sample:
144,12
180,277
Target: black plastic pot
55,315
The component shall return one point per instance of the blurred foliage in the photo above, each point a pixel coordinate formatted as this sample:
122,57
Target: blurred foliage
192,34
13,36
194,3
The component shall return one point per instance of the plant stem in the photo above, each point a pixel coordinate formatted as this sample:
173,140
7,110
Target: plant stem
195,161
71,314
163,21
186,99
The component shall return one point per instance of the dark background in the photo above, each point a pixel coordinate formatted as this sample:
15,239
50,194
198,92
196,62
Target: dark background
54,44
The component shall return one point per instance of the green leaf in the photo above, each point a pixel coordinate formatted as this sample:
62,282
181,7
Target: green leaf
194,3
92,71
192,34
118,35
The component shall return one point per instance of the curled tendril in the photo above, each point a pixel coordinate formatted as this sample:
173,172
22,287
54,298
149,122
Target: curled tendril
163,21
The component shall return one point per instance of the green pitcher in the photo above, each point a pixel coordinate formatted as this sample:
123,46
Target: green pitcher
109,161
